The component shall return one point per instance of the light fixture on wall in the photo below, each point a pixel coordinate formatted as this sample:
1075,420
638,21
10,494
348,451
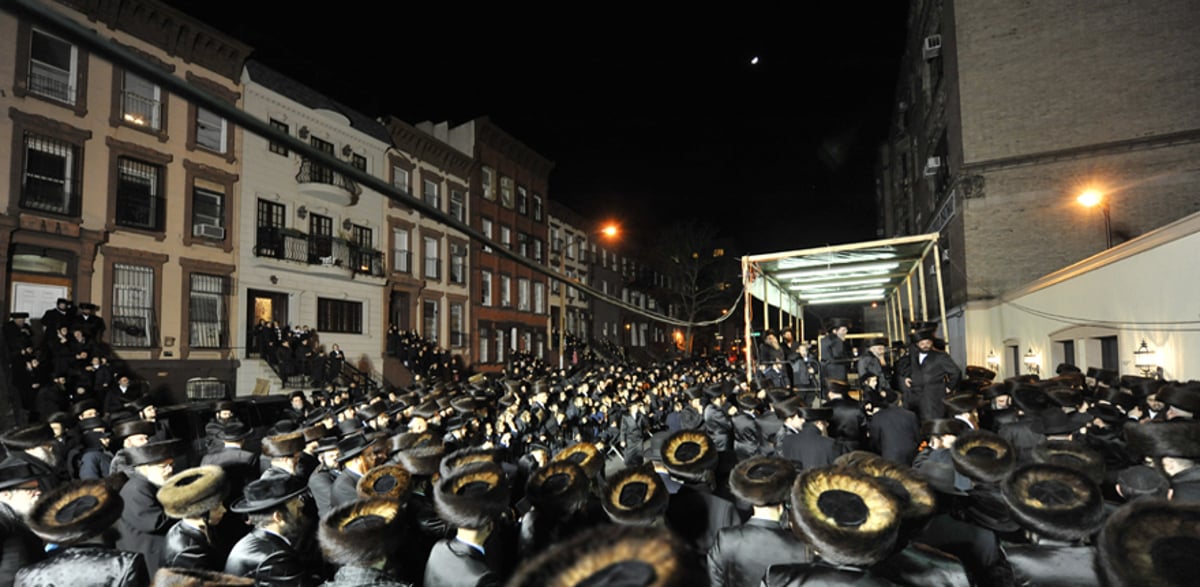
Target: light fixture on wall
302,212
1146,360
993,361
1033,362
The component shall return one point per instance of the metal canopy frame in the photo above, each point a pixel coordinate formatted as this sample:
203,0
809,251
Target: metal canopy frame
870,271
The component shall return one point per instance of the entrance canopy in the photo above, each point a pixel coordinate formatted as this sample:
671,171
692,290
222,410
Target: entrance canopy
887,272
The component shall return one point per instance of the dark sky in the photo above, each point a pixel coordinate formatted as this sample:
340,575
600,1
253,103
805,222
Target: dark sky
647,115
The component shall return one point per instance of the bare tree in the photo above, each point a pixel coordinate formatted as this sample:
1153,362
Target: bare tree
690,256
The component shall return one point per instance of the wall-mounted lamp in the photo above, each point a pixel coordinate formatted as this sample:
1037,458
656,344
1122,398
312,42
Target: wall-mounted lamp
346,151
303,132
346,224
1146,360
1033,362
993,361
302,212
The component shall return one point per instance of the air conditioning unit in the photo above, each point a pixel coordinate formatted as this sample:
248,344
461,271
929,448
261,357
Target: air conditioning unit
932,166
933,47
209,231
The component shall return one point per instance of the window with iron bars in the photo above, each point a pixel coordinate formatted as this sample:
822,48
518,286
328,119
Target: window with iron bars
50,178
139,200
207,301
132,305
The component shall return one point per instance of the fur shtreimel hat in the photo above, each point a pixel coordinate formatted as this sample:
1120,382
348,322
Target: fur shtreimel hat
472,495
31,436
689,455
466,456
283,445
847,516
387,481
915,496
584,454
180,577
615,555
1075,455
635,496
762,481
559,488
362,532
1151,542
1182,396
1054,501
193,492
983,456
977,372
422,461
76,511
1164,439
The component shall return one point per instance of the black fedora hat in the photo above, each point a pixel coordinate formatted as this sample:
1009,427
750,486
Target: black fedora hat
17,473
1054,501
1150,542
389,481
268,492
635,496
234,431
762,481
983,456
944,427
848,517
352,445
153,452
977,372
361,532
615,556
1055,422
76,511
27,437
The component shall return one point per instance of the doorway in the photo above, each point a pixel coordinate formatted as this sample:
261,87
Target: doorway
399,313
266,307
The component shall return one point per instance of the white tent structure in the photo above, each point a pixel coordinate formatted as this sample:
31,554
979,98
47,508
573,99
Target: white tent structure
884,271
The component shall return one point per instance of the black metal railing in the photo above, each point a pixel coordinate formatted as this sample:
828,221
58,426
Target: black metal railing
311,172
348,374
290,245
138,210
140,110
50,195
44,81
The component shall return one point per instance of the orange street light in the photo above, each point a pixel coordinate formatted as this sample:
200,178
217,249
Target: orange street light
610,230
1090,198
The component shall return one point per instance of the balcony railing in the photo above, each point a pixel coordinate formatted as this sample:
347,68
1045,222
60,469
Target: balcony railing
140,110
328,251
50,195
311,172
51,82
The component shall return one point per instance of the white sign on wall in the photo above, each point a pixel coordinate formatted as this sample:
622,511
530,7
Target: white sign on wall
36,298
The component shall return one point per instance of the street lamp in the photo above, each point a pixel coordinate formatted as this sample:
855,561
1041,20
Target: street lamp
609,231
1091,198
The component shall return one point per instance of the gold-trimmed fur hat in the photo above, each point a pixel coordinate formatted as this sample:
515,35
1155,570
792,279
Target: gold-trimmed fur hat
283,445
192,492
615,555
584,454
1150,542
387,481
983,456
559,488
361,532
635,496
472,495
847,516
916,497
689,455
76,511
1054,501
422,461
762,481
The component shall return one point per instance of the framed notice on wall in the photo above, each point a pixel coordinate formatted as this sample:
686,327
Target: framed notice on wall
36,298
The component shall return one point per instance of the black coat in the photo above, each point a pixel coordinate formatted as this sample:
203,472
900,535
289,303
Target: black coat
269,560
1185,486
241,467
930,380
320,485
1052,563
894,433
848,422
809,450
345,489
769,425
741,555
820,573
697,515
189,548
869,364
834,363
360,577
19,547
456,564
143,523
719,427
87,566
747,436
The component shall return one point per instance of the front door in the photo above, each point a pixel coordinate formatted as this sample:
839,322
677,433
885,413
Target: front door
400,310
265,307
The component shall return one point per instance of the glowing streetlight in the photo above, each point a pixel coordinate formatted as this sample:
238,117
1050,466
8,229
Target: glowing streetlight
1090,198
610,232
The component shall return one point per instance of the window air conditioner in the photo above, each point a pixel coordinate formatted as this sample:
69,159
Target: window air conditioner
933,47
210,231
932,166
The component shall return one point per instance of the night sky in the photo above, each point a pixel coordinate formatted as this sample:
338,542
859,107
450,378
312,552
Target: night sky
647,116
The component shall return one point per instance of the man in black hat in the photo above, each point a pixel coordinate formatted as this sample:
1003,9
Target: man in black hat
359,537
356,458
847,421
741,554
87,321
931,375
194,497
694,511
144,524
275,506
62,314
1060,508
835,360
283,450
1174,447
33,445
240,465
471,498
892,431
809,447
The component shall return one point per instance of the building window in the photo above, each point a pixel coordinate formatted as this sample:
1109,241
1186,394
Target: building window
139,200
320,239
458,331
500,345
506,192
132,306
506,236
401,252
53,66
537,207
523,244
485,288
400,179
539,298
429,320
429,191
270,223
433,262
50,179
485,226
340,316
523,294
364,258
555,240
358,162
458,205
277,148
211,130
522,200
488,181
458,263
484,342
141,102
505,291
206,312
208,210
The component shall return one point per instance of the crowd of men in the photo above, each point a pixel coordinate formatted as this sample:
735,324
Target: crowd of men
613,473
